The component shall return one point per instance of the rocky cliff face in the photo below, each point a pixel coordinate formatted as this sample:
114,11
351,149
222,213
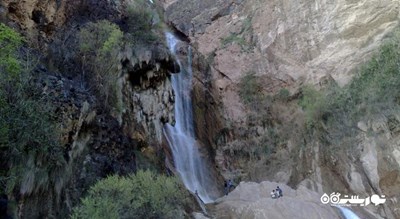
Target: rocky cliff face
285,45
36,17
147,95
283,42
40,20
96,142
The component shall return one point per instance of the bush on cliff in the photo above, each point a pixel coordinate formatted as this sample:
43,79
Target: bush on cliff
100,44
249,89
143,195
100,47
251,93
140,20
10,41
33,158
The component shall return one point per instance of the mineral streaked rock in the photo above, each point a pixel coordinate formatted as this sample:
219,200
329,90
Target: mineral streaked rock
148,97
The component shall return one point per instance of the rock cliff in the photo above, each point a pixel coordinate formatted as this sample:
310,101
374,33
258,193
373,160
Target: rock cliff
281,44
285,45
252,200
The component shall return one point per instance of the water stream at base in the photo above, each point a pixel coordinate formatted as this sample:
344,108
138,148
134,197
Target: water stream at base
347,213
181,137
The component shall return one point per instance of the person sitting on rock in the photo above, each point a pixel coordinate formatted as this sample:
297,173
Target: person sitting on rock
279,191
273,194
276,193
230,184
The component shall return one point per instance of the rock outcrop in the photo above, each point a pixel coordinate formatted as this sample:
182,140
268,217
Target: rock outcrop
36,17
284,43
40,21
147,95
252,200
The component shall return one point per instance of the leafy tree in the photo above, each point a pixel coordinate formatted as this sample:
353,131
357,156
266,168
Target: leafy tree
100,44
143,195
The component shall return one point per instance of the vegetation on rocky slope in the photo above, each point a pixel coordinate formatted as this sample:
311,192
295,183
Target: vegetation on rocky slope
28,133
374,91
329,115
140,20
100,44
143,195
10,42
260,114
44,98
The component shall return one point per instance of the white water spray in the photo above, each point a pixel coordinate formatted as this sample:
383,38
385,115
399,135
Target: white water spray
181,137
347,213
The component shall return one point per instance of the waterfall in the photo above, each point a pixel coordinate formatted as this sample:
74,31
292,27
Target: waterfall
347,213
181,137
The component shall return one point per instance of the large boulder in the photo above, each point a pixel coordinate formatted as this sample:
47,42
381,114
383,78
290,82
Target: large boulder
252,200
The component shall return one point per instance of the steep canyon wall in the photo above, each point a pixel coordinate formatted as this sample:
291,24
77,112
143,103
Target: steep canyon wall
286,45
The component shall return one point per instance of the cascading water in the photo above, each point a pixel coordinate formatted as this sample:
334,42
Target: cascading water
181,137
347,213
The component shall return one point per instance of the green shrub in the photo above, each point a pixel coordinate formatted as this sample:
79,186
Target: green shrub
100,44
250,89
36,156
10,41
269,141
282,95
101,39
140,19
251,94
377,88
234,38
28,136
240,38
143,195
312,102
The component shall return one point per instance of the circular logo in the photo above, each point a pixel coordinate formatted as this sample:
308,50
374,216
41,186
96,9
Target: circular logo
335,198
325,199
